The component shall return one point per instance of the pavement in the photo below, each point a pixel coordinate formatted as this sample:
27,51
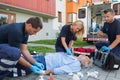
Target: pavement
102,74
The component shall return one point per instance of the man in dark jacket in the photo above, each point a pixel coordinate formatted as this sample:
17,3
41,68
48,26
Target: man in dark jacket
13,44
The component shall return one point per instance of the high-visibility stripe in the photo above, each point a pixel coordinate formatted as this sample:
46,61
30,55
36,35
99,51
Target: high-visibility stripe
8,62
5,69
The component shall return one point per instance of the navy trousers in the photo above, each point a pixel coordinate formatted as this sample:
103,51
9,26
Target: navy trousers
9,57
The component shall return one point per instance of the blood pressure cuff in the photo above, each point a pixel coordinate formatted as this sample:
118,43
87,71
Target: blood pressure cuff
106,60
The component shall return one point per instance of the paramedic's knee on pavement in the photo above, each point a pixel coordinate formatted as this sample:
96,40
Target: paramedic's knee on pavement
15,37
111,29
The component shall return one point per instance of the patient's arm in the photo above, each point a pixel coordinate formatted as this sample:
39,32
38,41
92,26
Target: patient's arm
49,71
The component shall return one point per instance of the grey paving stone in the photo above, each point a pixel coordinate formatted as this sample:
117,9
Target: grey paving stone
103,75
112,74
118,71
112,78
118,76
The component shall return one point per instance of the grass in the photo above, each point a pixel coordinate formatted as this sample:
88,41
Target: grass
52,42
77,43
40,49
49,42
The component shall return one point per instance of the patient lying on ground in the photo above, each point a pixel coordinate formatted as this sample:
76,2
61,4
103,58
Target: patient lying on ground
61,63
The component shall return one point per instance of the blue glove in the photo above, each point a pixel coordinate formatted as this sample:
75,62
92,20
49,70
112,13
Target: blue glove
105,48
96,29
68,51
35,70
39,65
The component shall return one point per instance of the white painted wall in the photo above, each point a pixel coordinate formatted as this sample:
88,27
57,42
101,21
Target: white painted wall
52,27
60,6
41,35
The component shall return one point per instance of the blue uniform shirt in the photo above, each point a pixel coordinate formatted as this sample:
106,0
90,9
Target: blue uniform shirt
65,32
62,63
112,29
13,34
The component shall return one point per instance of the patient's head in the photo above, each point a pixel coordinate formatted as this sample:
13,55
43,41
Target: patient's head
84,59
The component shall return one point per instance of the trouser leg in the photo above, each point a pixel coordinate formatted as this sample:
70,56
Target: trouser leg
9,56
98,45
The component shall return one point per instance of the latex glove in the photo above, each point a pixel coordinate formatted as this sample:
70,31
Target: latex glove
39,65
35,70
105,48
96,29
69,52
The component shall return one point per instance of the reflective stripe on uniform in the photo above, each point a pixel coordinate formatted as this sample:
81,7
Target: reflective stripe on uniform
5,69
8,62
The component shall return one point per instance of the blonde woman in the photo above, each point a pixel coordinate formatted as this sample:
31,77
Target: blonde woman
68,35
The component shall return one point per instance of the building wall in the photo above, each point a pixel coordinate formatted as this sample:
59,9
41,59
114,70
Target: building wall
71,7
44,6
60,6
48,31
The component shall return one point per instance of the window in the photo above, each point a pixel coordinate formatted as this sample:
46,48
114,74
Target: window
59,16
114,0
45,19
81,13
3,19
70,0
72,17
7,18
116,8
75,1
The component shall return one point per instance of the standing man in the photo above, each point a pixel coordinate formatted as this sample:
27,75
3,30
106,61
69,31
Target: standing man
13,44
68,35
111,29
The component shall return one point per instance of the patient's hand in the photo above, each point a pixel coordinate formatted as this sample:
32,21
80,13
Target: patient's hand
49,71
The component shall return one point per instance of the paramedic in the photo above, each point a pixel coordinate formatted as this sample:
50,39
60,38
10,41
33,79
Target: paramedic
68,35
13,43
111,29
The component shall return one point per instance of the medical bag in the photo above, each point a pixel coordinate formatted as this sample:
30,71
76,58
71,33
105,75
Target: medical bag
84,51
106,60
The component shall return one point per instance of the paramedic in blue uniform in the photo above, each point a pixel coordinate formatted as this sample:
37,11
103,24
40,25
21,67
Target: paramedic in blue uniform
111,29
68,35
13,45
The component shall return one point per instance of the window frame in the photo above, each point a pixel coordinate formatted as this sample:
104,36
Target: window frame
72,17
9,16
83,14
45,20
59,16
116,8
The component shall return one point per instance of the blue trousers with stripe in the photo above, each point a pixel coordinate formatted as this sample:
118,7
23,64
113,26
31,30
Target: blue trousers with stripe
9,57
